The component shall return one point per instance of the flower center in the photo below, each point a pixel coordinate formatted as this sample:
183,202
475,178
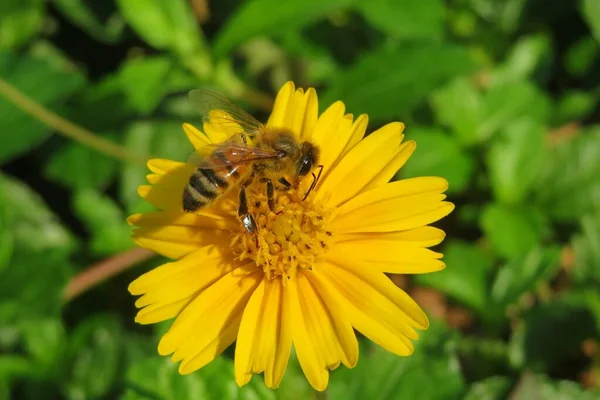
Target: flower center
291,236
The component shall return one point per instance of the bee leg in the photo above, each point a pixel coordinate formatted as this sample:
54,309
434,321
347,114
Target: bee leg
285,185
314,182
270,194
247,219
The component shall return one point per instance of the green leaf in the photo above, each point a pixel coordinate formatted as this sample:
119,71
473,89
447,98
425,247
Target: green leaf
143,81
408,19
459,106
508,102
591,13
157,377
20,20
151,139
31,285
105,221
319,63
439,155
103,106
164,24
581,55
515,159
94,352
383,85
586,246
80,167
43,81
527,56
523,274
466,275
495,387
249,20
82,15
532,386
561,325
45,342
513,231
383,375
574,106
569,186
506,15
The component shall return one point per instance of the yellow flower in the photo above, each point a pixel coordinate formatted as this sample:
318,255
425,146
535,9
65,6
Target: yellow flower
313,273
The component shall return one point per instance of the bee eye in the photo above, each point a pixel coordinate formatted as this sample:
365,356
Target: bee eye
305,166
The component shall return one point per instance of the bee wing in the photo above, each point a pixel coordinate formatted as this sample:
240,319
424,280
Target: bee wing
217,110
228,154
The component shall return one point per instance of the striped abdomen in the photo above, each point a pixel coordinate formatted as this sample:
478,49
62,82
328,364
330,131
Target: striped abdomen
206,185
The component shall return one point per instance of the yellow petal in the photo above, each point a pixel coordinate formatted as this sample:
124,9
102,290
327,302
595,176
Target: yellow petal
329,328
397,206
196,138
295,110
362,164
280,108
310,115
168,186
388,172
309,356
405,188
210,322
333,143
247,336
206,262
386,256
424,236
375,306
265,337
194,273
175,234
359,127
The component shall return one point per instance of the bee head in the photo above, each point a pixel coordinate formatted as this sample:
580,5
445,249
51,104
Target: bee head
308,159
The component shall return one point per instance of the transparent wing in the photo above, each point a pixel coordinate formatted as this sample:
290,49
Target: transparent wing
228,154
217,110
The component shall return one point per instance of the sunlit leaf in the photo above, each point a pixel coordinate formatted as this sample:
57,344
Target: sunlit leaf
407,19
164,24
20,20
439,155
515,159
459,106
80,167
569,186
249,20
44,82
94,351
82,15
561,325
591,13
104,220
382,375
586,246
466,275
384,84
523,274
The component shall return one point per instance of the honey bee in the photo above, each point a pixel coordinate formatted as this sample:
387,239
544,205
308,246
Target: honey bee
254,151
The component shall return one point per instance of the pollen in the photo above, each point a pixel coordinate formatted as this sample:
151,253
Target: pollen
293,235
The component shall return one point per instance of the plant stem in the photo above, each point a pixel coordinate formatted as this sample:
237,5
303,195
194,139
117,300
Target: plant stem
103,270
65,127
320,395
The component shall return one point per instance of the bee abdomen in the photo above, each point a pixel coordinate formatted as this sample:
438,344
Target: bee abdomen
203,188
213,178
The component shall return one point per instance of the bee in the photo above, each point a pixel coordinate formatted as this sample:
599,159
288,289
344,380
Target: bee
254,151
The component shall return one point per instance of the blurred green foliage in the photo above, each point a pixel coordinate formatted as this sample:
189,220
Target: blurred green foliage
501,97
